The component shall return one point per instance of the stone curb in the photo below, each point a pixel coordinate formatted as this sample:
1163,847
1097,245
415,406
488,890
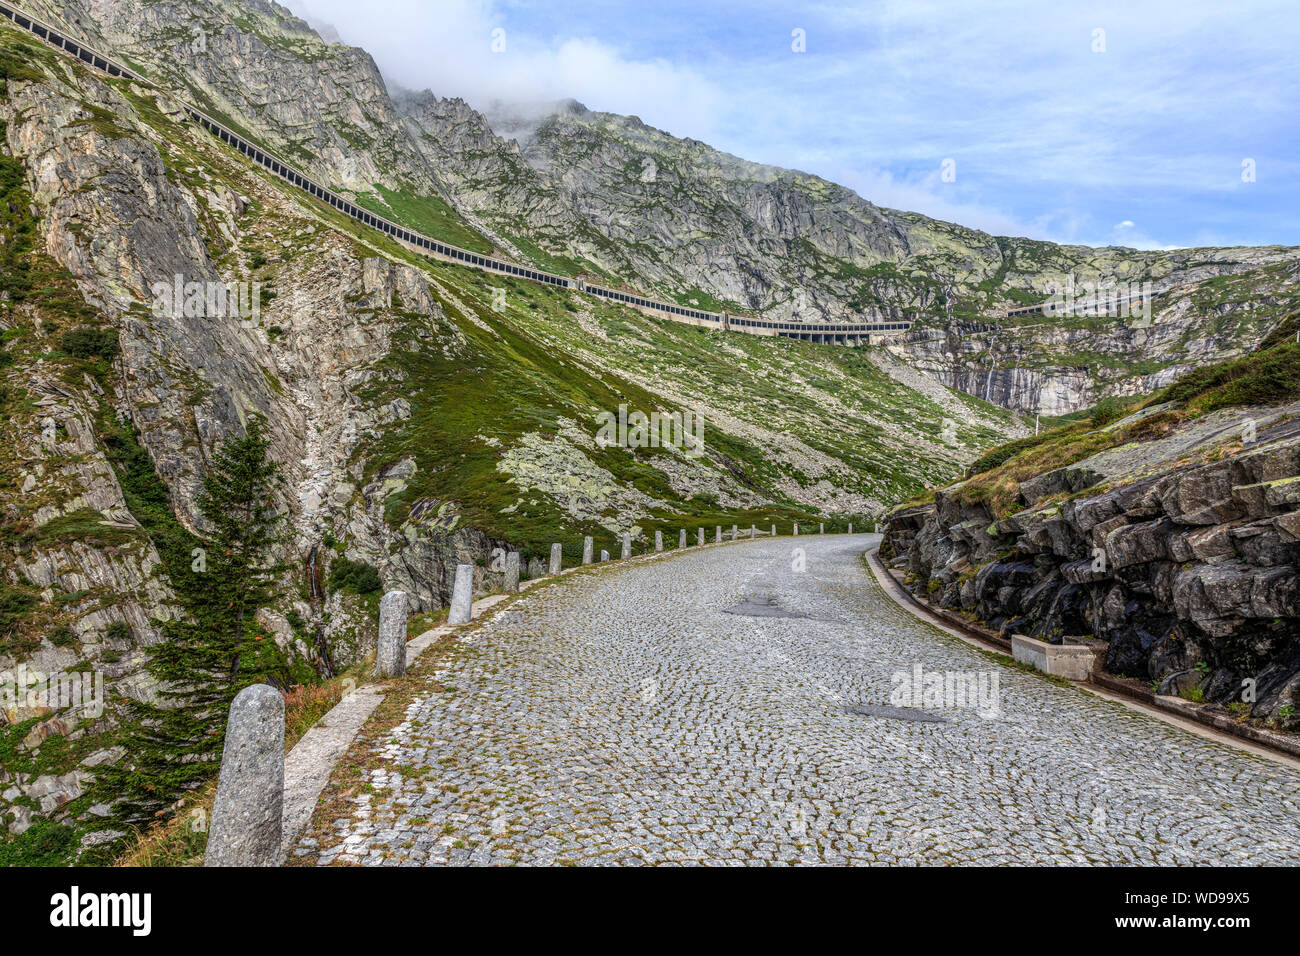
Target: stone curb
308,766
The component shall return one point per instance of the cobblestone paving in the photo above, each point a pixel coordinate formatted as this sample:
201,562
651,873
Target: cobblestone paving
624,718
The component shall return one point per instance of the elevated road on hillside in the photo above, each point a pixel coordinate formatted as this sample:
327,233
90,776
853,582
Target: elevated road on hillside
852,333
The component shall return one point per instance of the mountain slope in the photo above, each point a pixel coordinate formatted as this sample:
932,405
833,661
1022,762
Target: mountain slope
422,413
581,192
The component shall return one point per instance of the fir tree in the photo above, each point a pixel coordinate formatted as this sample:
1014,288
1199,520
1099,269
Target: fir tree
217,648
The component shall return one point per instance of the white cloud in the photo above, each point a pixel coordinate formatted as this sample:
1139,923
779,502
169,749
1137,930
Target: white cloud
449,48
1126,233
931,196
1051,140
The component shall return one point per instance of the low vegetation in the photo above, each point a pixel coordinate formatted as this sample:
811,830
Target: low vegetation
355,576
1269,375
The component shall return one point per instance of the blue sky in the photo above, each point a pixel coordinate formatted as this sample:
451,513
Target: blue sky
1135,135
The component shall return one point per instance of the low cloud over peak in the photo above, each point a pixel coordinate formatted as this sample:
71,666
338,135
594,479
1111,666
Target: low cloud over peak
1013,118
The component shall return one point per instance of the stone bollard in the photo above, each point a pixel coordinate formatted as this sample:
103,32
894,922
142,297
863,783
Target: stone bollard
462,595
850,527
604,555
659,540
796,529
246,827
586,549
821,527
512,572
734,533
627,546
390,654
557,558
699,537
753,530
681,539
774,531
717,535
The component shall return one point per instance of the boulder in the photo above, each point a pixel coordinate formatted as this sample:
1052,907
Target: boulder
1182,681
1201,495
1138,543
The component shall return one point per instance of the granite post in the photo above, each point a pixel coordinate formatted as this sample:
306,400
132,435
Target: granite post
462,595
390,654
246,816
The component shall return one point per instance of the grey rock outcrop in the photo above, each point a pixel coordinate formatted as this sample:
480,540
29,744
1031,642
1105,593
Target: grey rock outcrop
1190,571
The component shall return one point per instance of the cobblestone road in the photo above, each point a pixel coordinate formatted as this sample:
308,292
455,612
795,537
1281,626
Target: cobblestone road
624,717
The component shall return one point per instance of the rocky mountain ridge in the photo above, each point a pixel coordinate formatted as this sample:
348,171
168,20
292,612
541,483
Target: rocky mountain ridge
588,193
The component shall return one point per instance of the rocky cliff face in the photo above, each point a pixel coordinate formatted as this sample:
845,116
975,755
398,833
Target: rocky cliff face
100,441
1059,366
1180,548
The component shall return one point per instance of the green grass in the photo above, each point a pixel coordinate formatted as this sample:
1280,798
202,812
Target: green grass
1268,376
475,400
85,524
699,299
90,343
45,843
553,262
355,576
429,215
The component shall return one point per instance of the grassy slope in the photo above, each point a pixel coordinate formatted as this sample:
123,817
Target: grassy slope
1269,374
535,364
520,371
